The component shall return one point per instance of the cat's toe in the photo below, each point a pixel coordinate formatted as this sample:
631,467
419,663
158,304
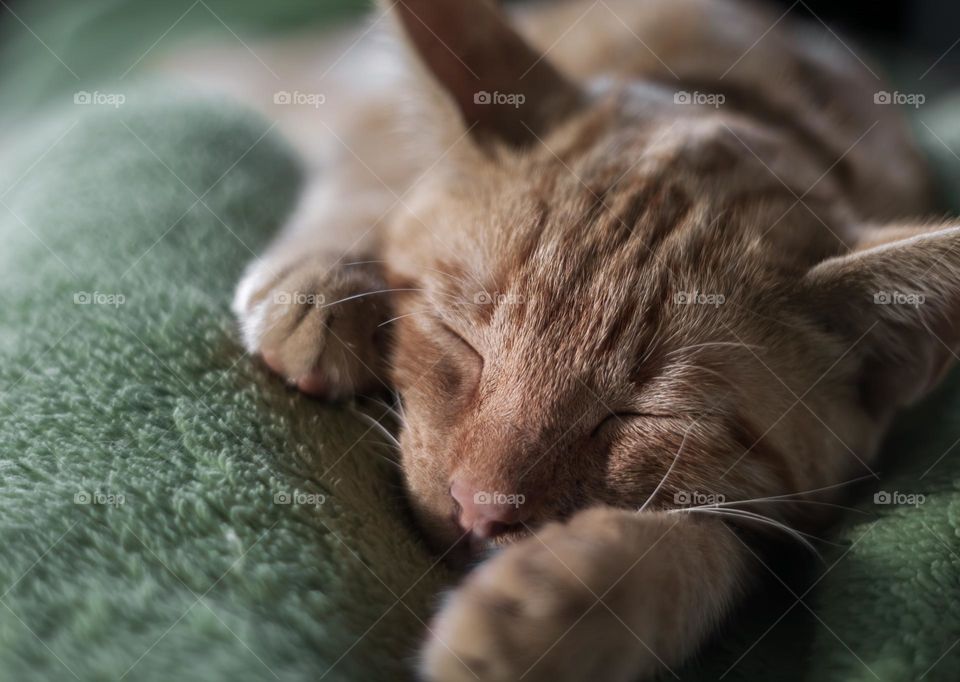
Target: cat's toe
272,360
316,324
313,383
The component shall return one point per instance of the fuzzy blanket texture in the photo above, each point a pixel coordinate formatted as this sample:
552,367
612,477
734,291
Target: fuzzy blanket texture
168,510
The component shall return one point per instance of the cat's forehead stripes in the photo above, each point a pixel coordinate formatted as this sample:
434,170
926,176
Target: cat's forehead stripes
586,251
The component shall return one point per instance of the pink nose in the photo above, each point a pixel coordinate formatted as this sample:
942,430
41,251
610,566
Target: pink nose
486,513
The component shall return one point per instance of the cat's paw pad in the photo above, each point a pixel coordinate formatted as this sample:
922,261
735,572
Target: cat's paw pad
315,322
531,612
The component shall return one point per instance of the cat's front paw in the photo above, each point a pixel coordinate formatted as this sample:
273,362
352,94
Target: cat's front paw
315,321
546,608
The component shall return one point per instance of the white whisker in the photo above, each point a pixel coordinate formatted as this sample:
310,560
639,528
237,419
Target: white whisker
731,344
663,480
757,518
458,280
815,490
400,317
388,408
367,293
712,372
362,262
463,282
761,500
377,425
385,458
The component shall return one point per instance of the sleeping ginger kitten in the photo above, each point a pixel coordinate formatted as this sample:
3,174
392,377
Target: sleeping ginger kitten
631,266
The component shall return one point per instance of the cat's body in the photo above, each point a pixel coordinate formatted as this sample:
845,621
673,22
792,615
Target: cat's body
610,291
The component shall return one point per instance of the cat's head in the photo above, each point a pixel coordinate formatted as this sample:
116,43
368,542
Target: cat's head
609,287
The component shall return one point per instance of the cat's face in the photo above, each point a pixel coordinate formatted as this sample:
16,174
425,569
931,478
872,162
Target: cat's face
632,289
579,317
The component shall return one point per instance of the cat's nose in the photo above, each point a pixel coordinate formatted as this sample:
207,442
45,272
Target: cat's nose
486,513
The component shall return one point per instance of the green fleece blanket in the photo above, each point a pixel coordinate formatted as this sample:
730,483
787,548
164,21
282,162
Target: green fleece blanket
170,511
167,509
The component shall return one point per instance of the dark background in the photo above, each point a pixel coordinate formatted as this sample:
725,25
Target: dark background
923,31
928,27
927,24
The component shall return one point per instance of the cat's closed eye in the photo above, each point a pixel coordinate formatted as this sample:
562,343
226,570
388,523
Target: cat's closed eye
456,367
463,344
617,421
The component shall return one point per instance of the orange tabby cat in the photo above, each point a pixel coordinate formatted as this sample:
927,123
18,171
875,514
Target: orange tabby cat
629,273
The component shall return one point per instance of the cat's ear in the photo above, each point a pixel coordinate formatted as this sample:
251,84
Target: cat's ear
503,88
896,298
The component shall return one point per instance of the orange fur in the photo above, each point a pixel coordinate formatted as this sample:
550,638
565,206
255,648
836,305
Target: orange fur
603,299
